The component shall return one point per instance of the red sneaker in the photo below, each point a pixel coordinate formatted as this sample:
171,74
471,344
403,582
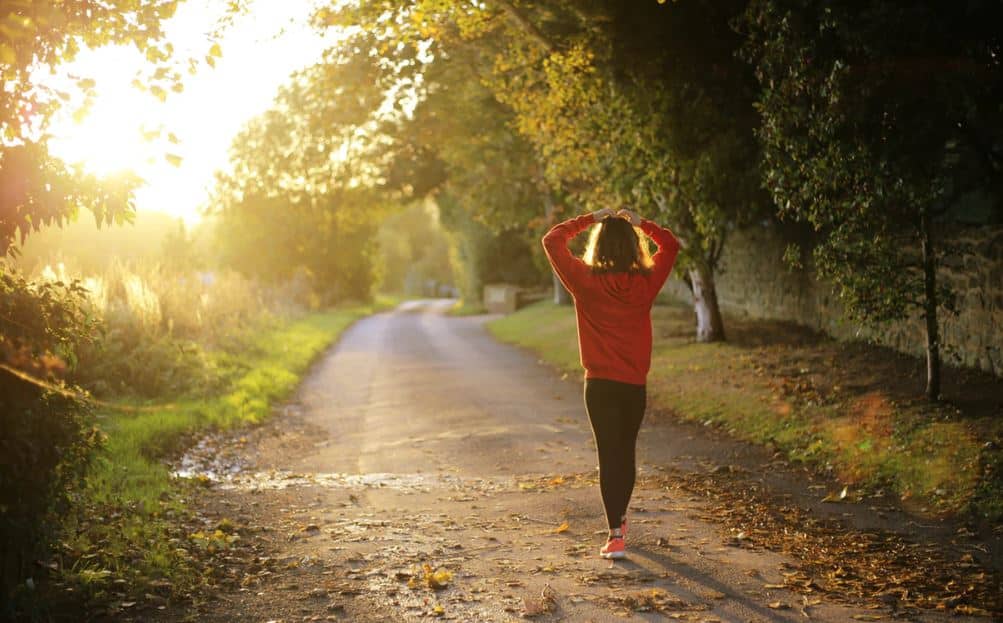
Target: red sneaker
614,548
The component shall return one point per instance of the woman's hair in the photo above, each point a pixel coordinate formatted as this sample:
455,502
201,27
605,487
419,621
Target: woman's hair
615,247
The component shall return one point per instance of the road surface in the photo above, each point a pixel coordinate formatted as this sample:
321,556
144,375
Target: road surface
419,440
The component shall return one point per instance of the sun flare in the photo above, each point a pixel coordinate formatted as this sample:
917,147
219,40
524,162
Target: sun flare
178,144
108,138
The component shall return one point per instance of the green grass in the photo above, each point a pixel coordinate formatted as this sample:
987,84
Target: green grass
870,441
132,527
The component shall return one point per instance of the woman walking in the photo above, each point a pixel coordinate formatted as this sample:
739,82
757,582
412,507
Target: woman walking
614,286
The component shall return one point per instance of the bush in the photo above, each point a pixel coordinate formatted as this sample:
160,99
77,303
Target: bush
46,433
158,324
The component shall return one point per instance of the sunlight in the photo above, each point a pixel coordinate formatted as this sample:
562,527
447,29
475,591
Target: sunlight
108,139
176,146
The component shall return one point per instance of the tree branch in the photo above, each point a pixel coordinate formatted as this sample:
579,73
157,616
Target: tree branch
527,26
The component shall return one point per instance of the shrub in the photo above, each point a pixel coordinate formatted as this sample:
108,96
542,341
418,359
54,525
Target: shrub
159,324
46,432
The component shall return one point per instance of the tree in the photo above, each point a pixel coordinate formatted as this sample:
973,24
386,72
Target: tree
300,193
414,250
38,189
489,185
605,128
876,118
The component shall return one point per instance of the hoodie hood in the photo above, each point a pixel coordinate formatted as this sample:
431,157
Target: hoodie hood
627,288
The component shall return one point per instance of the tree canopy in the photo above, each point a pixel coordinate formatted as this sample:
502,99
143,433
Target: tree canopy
876,118
644,105
35,37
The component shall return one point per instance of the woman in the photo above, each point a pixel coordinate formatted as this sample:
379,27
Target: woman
614,286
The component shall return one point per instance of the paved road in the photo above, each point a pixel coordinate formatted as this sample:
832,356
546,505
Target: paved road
415,390
418,440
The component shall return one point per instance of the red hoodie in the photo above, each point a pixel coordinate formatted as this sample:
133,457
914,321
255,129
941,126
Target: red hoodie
613,309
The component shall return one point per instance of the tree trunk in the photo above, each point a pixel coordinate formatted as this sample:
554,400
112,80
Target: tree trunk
930,305
561,294
710,327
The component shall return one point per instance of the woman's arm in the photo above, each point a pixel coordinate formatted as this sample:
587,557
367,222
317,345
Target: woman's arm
668,249
570,270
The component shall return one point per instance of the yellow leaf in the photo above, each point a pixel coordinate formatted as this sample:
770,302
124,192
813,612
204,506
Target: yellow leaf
561,528
174,159
215,50
437,579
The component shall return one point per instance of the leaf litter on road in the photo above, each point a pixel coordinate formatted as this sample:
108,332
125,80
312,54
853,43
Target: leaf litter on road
845,564
544,604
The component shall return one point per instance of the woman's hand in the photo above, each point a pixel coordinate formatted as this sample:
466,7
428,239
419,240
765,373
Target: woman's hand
631,216
602,214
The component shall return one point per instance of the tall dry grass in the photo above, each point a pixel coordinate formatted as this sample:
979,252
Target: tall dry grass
168,330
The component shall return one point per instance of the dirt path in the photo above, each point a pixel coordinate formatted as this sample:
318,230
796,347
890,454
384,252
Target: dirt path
418,440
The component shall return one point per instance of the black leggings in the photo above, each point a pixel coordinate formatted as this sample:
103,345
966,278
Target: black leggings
615,410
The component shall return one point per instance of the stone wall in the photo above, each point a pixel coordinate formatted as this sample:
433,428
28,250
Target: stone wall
754,281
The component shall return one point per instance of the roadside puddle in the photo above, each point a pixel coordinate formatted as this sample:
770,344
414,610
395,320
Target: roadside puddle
233,475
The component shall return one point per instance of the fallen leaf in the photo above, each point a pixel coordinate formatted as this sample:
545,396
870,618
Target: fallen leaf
437,579
532,607
836,497
561,528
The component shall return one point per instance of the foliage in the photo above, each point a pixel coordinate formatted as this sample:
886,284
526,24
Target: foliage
459,144
298,197
862,131
619,103
481,256
40,190
155,325
876,118
414,250
45,436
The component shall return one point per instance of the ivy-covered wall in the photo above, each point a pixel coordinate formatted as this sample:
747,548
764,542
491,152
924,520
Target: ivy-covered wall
755,281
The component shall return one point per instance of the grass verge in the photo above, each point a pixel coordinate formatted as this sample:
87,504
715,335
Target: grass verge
852,409
130,538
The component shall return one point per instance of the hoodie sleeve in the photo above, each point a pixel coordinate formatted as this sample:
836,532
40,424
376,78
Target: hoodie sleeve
665,257
570,270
